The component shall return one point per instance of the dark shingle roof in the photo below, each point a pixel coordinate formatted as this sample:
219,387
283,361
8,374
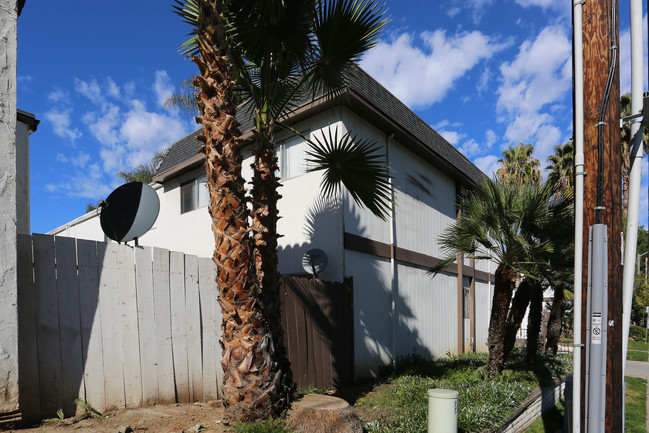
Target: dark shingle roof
381,100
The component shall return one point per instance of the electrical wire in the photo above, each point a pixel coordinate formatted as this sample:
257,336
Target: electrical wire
602,113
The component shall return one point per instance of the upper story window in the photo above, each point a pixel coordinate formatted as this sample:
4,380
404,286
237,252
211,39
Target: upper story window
291,156
194,194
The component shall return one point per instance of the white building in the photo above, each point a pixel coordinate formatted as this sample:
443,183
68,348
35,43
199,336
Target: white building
398,307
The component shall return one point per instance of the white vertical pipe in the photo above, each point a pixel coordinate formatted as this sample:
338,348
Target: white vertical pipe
393,262
578,59
631,239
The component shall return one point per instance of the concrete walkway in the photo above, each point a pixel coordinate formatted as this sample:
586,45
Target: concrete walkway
639,369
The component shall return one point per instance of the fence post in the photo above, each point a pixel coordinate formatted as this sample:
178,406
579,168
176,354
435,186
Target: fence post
8,228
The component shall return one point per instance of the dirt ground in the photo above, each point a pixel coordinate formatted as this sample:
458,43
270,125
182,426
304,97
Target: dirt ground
154,419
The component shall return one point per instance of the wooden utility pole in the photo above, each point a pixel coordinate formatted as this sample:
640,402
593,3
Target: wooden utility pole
601,41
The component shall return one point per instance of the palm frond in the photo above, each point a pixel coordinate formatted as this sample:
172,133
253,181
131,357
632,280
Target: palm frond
344,30
188,10
357,164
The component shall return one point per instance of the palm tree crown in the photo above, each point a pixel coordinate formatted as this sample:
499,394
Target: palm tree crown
562,166
519,166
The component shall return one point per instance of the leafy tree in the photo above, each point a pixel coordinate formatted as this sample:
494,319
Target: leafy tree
501,222
640,302
280,54
90,207
519,166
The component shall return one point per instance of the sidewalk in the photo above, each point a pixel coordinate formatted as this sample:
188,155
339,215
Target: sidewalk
639,369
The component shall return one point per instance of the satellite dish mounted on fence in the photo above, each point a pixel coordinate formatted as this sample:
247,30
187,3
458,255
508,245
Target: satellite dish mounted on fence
129,212
314,262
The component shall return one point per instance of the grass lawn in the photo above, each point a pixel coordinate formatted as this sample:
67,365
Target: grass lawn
635,418
399,403
637,355
638,345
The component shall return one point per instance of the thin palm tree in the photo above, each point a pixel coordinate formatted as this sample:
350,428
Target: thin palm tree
561,166
519,166
497,221
280,54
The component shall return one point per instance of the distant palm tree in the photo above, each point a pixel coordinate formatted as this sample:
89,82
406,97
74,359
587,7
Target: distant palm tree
500,222
519,166
144,172
562,166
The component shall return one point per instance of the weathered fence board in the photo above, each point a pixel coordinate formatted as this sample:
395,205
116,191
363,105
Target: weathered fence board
162,313
124,326
67,283
93,353
146,324
29,394
47,327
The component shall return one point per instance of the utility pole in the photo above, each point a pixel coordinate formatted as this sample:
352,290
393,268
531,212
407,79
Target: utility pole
602,207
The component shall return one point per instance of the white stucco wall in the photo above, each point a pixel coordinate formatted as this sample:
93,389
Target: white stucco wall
8,217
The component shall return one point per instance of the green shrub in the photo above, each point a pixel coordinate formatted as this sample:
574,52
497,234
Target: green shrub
637,333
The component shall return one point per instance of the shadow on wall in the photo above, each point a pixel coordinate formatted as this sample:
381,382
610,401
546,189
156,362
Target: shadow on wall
374,328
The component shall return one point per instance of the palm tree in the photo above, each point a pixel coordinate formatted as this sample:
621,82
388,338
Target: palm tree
280,54
562,166
144,172
519,166
498,219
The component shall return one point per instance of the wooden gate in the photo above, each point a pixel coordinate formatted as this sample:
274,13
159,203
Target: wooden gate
317,317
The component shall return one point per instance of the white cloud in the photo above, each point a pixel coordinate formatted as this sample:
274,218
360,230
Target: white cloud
58,96
483,82
533,87
422,74
60,120
82,183
162,87
488,164
490,138
452,137
103,127
451,12
556,5
24,79
89,89
113,89
61,158
471,148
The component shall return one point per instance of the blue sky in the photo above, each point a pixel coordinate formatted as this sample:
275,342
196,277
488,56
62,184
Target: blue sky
483,73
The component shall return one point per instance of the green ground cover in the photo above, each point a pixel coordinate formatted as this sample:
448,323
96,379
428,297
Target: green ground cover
635,417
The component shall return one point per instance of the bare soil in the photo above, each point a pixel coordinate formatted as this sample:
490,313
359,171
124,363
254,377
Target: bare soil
153,419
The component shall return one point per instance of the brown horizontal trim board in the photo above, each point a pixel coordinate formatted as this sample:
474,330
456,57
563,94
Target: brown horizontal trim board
380,249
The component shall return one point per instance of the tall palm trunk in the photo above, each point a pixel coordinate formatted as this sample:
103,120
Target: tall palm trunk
504,283
554,323
264,228
250,373
534,321
516,315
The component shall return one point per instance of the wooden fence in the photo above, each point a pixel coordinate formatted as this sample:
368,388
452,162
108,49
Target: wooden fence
317,318
120,326
114,325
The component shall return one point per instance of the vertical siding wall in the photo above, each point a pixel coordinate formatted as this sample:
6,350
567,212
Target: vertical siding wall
114,325
425,316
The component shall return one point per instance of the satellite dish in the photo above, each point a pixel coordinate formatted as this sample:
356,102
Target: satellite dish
314,262
129,212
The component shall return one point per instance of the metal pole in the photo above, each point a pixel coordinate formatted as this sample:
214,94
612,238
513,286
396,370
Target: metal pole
635,174
578,62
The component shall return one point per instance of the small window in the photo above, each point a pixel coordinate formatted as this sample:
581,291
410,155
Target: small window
194,194
291,156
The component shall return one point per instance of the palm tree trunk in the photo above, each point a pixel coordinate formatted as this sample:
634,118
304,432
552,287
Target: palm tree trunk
251,384
534,321
505,280
554,323
516,315
265,215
